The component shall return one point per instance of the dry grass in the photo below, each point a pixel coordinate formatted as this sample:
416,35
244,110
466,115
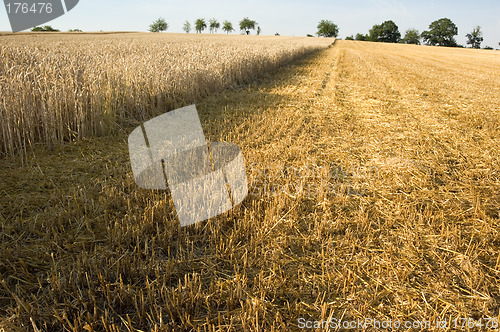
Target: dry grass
61,87
374,172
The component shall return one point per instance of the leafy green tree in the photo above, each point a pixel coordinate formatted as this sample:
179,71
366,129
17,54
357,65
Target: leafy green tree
158,25
247,24
200,25
187,27
227,26
475,38
412,36
441,33
361,37
214,25
387,32
327,29
349,37
45,28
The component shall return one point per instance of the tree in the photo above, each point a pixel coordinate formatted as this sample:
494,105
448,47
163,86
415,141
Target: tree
227,26
412,36
214,25
258,30
74,30
246,24
158,25
327,29
361,37
45,28
349,37
200,25
387,32
187,27
475,38
441,33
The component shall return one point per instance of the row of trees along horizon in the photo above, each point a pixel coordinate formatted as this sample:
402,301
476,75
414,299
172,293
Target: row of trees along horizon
213,25
441,32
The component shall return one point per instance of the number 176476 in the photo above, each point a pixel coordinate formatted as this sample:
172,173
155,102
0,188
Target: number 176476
25,8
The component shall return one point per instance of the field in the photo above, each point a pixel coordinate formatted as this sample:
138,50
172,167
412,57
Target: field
374,194
57,88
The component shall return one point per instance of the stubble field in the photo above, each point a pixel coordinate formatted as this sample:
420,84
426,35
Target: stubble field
374,193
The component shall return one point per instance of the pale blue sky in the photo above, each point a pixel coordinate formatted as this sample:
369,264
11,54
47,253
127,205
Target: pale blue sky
288,17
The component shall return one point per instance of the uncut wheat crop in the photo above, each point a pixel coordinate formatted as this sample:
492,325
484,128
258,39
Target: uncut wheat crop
64,87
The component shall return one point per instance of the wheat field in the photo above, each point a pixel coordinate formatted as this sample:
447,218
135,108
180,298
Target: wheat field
374,194
62,87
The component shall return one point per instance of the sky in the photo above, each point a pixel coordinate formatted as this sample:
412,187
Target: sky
287,17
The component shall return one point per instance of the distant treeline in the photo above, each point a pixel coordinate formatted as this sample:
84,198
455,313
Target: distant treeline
441,32
213,26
